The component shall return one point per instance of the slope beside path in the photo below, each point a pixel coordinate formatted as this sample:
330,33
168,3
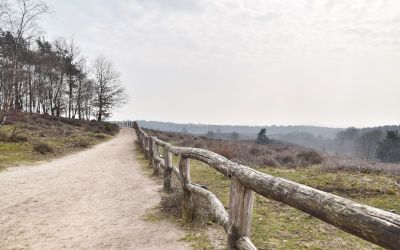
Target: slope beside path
95,199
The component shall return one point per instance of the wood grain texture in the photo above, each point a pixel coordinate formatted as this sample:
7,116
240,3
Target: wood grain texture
167,171
187,202
219,213
245,243
240,211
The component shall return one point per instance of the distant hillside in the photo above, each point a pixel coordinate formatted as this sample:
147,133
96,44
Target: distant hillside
246,132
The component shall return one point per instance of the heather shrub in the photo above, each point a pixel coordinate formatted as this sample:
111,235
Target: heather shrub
42,148
81,144
254,151
270,162
275,153
286,160
225,150
309,158
172,203
18,138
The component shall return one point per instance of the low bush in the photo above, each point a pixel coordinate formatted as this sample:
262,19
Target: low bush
3,137
172,203
225,150
12,139
42,148
286,160
100,136
18,138
276,153
270,162
103,127
310,158
255,151
81,144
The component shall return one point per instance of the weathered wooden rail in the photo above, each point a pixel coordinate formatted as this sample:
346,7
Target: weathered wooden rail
372,224
128,124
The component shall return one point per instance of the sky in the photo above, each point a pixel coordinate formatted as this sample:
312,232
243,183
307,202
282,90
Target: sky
250,62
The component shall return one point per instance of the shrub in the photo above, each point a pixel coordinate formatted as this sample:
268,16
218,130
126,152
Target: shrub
108,128
199,144
262,137
15,138
389,149
286,160
68,132
42,148
310,158
103,127
270,162
172,203
100,136
18,138
224,150
81,144
255,151
3,137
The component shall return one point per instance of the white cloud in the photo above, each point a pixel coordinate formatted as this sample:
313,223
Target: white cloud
212,61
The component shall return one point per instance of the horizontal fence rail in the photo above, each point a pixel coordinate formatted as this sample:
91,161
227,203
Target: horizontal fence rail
126,124
372,224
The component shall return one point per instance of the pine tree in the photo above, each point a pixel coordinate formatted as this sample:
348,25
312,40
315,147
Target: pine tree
389,149
262,137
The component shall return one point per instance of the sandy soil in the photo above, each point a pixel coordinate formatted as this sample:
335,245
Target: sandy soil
94,199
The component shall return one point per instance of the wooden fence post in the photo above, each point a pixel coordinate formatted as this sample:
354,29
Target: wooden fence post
167,170
156,153
187,202
143,137
148,146
143,142
240,212
144,146
151,145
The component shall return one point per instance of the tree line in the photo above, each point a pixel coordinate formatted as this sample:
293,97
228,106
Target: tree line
370,144
50,77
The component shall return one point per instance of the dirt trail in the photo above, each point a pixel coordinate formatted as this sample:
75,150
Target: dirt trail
94,199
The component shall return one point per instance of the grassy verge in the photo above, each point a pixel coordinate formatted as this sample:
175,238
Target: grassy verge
277,226
40,137
195,234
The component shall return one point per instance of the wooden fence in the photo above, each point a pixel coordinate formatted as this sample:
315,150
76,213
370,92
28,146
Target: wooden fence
128,124
372,224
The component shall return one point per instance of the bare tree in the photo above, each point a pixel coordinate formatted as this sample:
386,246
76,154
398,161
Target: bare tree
367,143
21,23
109,92
37,75
3,9
73,61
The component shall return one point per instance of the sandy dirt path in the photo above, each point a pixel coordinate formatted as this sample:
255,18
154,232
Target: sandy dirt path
95,199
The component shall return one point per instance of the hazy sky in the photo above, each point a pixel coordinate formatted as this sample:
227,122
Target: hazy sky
320,62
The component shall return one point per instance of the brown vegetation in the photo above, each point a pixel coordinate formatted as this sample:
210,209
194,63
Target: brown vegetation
28,137
287,226
42,148
274,154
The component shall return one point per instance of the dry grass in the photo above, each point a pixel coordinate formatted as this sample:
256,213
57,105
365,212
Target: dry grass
31,137
277,153
336,163
275,225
